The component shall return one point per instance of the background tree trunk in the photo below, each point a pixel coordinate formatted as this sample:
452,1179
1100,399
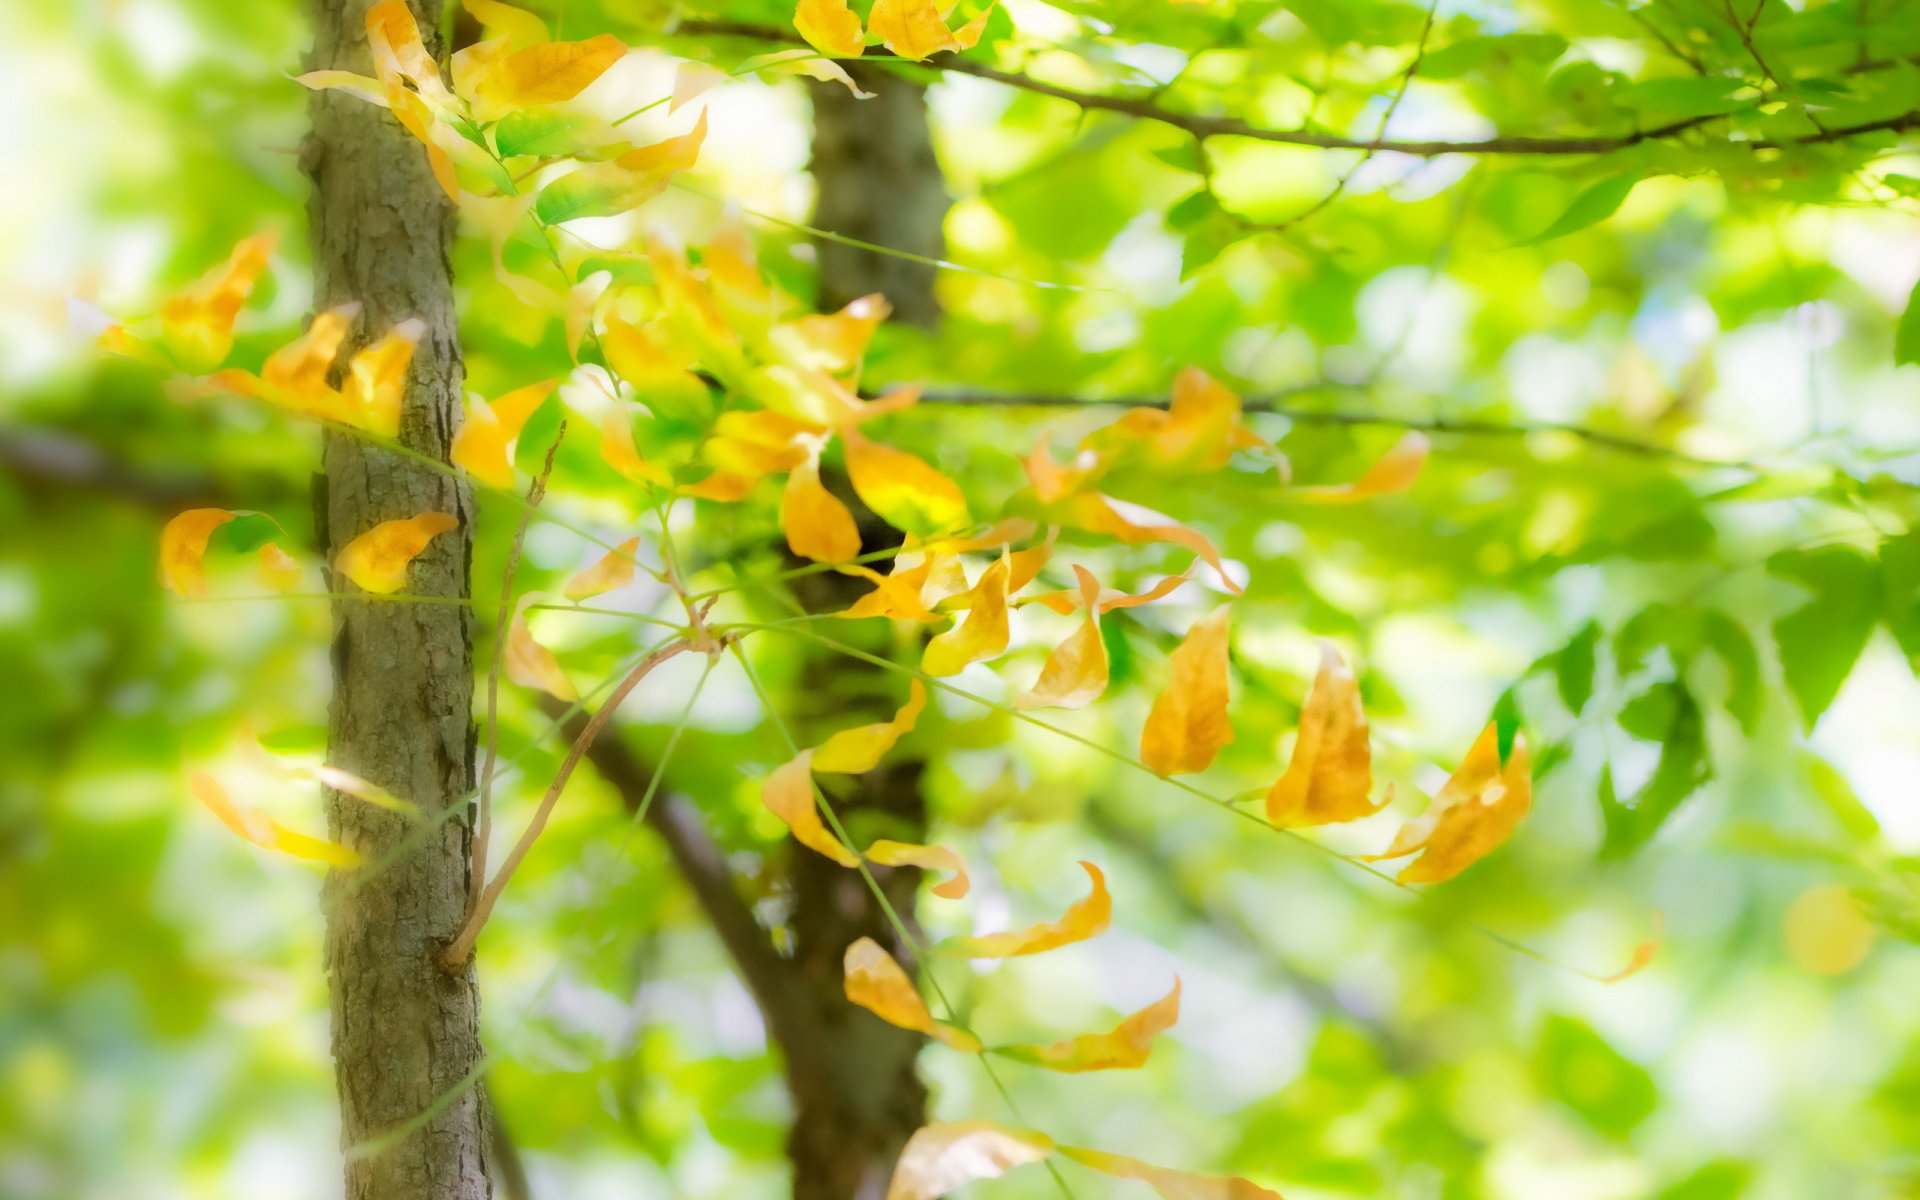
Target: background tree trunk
405,1031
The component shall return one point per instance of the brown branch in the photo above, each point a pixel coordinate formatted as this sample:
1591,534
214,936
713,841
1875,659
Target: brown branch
1202,126
1279,404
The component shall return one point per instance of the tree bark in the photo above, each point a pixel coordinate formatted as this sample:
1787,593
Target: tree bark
406,1041
876,178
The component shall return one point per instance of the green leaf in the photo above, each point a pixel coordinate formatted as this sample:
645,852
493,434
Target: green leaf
1906,337
1506,722
1590,207
1611,1092
1730,642
1692,96
1573,668
1722,1179
1833,790
1672,716
542,132
245,533
1820,642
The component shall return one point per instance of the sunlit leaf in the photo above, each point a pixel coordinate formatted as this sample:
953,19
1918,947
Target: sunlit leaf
929,858
1087,918
613,570
906,492
377,560
601,189
264,831
277,569
1171,1184
1125,1047
1472,814
547,73
830,27
1075,673
1330,777
817,525
197,324
852,751
1188,723
1134,524
950,1154
880,985
984,631
183,549
531,665
788,794
483,446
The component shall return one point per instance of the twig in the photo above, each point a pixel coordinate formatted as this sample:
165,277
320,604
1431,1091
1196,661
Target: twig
503,632
461,948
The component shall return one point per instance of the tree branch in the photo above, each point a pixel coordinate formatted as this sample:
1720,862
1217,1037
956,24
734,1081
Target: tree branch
1202,126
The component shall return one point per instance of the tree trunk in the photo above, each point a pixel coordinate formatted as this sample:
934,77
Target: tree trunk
876,178
406,1038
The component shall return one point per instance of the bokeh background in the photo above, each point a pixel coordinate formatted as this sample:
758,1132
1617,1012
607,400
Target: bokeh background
162,1009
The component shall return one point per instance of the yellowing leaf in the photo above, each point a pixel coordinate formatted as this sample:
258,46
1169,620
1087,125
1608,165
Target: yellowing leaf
805,62
949,1154
531,665
484,444
617,447
1188,723
818,526
1171,1184
691,80
183,549
931,858
982,634
1076,672
1134,524
880,985
394,38
377,560
197,324
1088,918
1199,429
829,27
1053,482
549,73
299,369
1393,472
833,342
1330,777
520,27
788,794
600,189
852,751
895,596
263,830
1473,813
614,570
278,569
1127,1046
916,29
906,492
1111,599
376,381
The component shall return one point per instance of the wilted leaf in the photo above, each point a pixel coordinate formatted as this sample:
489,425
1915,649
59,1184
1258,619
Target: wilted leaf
1133,524
1171,1184
1188,723
788,794
531,665
1087,918
1127,1046
484,444
878,984
1473,813
1330,777
277,569
197,324
377,560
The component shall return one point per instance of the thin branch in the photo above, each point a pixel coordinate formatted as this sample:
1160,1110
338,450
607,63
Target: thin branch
461,948
1280,404
502,634
1202,126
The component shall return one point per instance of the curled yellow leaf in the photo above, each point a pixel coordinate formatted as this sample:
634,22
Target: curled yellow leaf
613,570
531,665
805,62
377,560
183,549
788,794
264,831
197,324
949,1154
983,634
817,525
483,446
852,751
916,29
1171,1184
1188,723
1134,524
1125,1047
1087,918
1199,429
931,858
830,27
1330,777
880,985
376,381
906,492
1394,471
1472,814
896,596
1076,672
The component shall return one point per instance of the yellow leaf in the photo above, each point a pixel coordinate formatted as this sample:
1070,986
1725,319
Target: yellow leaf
906,492
1053,482
278,569
483,446
984,632
1126,1047
264,831
911,28
183,549
1826,931
1086,919
531,665
932,858
298,370
349,784
852,751
1188,723
520,27
1643,954
1330,777
376,381
833,342
394,38
1171,1184
1134,524
788,794
949,1154
880,985
830,27
805,62
362,87
1473,813
691,80
377,560
549,73
614,570
1393,472
1199,429
895,596
818,526
1076,672
1065,603
197,324
617,447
